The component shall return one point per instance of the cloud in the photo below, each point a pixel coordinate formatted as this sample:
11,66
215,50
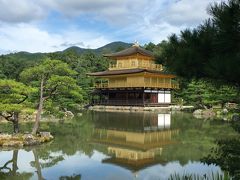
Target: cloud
159,19
184,12
142,20
157,32
112,11
68,44
124,12
25,37
20,11
50,25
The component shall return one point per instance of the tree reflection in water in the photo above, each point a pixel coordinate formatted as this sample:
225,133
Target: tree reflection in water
11,172
73,177
227,154
7,172
36,164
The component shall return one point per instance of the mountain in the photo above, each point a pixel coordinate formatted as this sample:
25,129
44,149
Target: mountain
108,48
12,64
113,47
75,49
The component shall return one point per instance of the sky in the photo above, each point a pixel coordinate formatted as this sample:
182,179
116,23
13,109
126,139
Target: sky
53,25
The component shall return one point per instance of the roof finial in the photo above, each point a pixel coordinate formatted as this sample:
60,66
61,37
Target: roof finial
135,44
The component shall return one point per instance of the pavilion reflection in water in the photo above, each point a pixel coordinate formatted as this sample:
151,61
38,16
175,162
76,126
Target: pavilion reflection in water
134,141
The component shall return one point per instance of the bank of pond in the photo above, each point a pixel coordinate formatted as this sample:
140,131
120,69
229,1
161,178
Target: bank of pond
115,145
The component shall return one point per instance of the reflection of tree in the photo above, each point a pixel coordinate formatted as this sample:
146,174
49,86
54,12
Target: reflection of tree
37,165
52,160
73,177
6,172
71,137
197,137
14,169
227,154
49,161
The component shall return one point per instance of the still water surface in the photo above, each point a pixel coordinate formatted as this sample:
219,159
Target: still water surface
100,145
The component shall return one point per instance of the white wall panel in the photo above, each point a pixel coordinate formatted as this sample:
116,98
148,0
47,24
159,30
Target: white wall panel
167,97
161,97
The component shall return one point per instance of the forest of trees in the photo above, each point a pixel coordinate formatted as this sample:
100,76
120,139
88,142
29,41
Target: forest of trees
46,83
206,59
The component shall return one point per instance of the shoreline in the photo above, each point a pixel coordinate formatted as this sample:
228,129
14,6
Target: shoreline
24,140
139,108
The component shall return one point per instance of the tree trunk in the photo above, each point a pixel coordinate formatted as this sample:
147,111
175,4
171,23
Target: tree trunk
14,164
37,165
15,123
39,111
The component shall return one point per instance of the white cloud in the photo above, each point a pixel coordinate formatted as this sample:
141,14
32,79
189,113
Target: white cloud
157,32
187,12
111,11
159,19
20,11
124,12
25,37
132,20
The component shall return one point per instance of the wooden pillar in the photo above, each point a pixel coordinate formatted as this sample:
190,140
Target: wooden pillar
99,98
150,82
143,94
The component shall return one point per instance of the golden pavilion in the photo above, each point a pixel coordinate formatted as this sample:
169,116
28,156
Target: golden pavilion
133,79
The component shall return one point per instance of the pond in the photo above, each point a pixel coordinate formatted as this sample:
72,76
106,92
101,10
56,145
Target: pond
101,145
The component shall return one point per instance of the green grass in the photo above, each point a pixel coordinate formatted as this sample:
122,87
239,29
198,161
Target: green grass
212,176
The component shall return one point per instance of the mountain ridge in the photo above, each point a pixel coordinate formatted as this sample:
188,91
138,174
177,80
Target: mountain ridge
107,48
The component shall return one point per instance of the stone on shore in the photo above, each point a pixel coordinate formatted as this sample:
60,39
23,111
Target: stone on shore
204,113
20,140
236,117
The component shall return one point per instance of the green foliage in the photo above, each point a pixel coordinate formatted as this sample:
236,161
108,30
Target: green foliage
60,88
202,93
13,96
13,64
227,156
210,50
79,61
83,64
157,51
46,70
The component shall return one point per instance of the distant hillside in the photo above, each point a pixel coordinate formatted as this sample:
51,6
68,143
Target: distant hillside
108,48
25,56
113,47
12,64
76,49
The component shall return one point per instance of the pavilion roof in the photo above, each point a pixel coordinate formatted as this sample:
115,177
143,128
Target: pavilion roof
133,166
126,71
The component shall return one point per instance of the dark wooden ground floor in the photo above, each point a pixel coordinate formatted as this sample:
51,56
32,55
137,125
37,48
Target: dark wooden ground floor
132,97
